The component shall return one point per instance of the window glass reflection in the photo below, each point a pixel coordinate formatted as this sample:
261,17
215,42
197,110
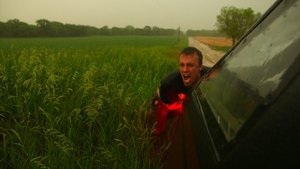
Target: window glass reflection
253,71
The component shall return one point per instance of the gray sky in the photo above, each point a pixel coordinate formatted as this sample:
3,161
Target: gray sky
188,14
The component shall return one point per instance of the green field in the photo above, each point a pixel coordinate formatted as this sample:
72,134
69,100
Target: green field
80,102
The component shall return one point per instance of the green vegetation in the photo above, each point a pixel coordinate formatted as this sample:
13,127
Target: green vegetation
80,102
220,48
91,42
234,22
45,28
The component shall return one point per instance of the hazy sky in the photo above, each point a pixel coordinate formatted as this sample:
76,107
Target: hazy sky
188,14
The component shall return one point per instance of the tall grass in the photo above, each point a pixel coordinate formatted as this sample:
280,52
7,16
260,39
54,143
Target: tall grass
221,48
69,106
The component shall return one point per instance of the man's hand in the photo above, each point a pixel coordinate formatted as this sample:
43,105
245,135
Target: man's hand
163,110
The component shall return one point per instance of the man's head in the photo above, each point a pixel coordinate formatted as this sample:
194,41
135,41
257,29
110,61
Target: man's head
190,65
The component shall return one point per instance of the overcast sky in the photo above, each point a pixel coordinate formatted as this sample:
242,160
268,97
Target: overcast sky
186,14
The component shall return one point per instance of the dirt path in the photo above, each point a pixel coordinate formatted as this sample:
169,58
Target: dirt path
210,57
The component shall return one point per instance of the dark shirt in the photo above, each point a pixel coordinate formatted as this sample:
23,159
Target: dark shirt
172,85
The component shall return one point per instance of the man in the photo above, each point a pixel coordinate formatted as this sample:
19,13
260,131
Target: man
173,89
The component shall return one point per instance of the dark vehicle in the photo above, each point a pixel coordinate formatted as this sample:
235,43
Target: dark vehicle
245,113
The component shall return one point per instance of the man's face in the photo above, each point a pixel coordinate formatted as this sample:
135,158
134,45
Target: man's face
189,69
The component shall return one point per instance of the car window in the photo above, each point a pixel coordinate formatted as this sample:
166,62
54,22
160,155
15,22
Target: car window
251,73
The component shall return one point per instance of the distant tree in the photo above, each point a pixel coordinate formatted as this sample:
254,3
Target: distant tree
3,30
234,22
156,30
57,29
116,31
43,27
147,30
16,28
104,30
129,30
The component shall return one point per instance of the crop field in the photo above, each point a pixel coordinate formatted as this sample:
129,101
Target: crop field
80,102
215,41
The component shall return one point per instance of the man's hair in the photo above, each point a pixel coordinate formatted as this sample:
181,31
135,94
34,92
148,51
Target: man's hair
191,51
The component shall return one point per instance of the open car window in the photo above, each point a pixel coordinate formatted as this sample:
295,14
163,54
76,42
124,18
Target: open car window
253,71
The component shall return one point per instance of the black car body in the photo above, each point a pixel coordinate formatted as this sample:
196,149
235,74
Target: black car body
245,113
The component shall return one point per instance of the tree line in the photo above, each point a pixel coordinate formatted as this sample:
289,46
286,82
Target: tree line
232,22
46,28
